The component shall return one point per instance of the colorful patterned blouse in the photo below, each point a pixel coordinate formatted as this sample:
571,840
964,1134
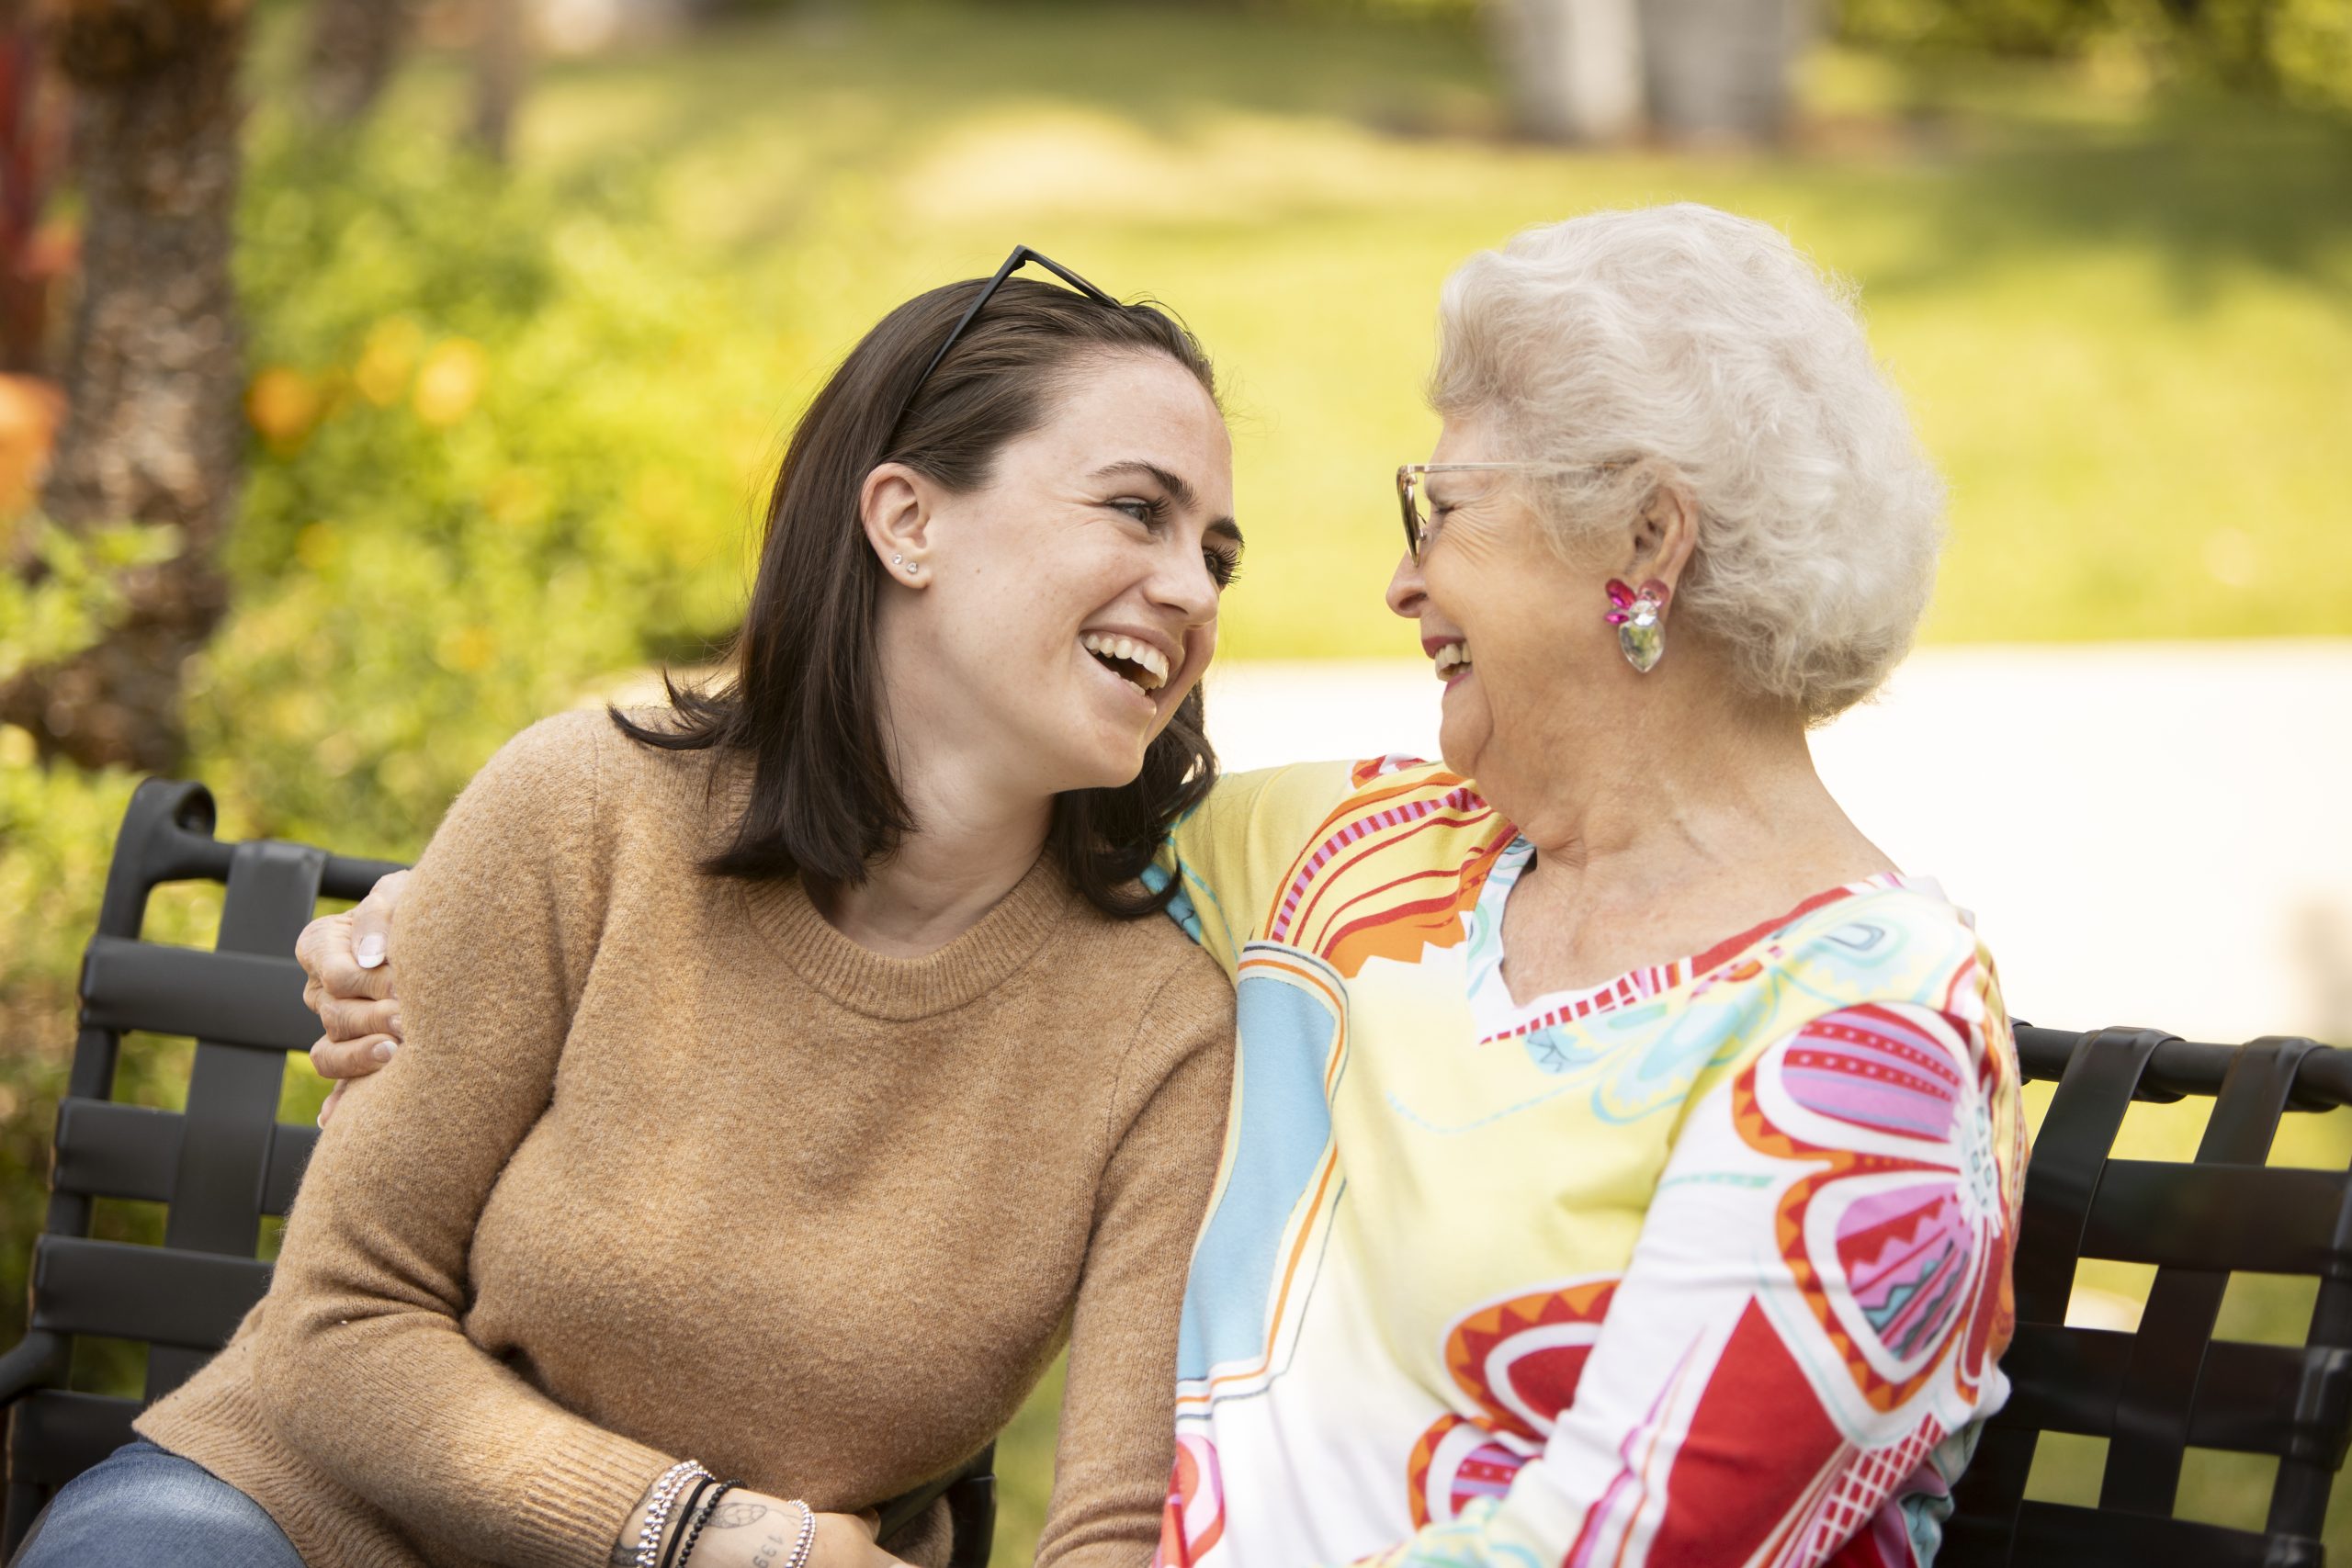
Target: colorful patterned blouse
1705,1266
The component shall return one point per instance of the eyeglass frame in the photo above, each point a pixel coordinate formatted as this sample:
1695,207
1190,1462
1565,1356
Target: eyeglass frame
1022,255
1416,533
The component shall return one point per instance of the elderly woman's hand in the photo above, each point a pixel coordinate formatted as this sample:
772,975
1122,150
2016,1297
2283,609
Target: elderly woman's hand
347,970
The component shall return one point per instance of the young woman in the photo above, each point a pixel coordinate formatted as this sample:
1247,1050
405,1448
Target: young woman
785,1074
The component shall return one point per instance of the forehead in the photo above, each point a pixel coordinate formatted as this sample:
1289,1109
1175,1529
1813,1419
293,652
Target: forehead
1139,408
1469,439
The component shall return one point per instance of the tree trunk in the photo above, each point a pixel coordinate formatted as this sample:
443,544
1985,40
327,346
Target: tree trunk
154,430
355,44
1719,70
1574,67
501,57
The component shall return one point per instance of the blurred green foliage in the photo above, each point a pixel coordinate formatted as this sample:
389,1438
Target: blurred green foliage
509,428
2297,49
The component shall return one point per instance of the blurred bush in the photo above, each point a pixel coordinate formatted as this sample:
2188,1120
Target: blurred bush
2300,50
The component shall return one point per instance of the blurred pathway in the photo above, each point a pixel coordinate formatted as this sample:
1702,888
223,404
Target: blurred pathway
2150,833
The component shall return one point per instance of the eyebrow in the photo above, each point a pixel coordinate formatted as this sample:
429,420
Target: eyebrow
1176,487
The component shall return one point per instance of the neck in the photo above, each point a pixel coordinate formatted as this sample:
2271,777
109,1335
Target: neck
973,841
1686,790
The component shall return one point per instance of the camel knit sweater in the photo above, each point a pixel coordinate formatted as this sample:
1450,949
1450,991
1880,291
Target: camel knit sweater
667,1166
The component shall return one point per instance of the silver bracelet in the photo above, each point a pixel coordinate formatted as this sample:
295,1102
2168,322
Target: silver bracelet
800,1558
673,1480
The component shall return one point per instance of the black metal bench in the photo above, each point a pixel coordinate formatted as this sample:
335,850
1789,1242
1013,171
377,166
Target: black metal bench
227,1161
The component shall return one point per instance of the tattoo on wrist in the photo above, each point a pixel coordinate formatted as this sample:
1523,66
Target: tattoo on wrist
734,1516
622,1555
769,1551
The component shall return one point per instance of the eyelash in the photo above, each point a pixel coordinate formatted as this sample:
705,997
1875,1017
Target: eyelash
1225,565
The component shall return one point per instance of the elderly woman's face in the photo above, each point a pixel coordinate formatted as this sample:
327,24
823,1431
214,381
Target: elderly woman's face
1503,617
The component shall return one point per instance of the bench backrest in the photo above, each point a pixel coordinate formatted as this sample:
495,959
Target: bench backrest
220,1165
2170,1385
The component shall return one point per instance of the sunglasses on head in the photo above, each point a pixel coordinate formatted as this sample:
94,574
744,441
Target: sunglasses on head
1022,256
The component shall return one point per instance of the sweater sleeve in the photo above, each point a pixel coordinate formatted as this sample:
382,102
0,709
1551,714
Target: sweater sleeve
363,1364
1117,1438
1810,1322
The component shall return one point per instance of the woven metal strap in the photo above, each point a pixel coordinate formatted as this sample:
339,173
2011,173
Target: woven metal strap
2158,1399
2086,1112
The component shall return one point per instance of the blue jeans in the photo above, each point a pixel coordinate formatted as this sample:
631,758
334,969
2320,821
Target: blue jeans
144,1505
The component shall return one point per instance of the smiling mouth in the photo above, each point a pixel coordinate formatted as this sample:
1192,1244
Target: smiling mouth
1140,664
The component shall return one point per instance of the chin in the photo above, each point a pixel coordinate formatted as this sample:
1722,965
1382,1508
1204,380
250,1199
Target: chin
1459,749
1100,765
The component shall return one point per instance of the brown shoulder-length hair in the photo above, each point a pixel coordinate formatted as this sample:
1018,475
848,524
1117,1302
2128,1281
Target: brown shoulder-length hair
804,701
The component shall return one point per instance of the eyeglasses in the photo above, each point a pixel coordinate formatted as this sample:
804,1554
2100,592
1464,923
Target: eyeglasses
1022,255
1418,528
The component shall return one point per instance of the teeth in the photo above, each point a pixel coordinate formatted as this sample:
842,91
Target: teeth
1453,657
1150,664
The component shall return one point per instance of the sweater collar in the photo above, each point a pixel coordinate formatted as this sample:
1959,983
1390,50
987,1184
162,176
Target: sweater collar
868,982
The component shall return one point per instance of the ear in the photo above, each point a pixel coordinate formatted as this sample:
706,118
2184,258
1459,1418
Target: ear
1665,532
894,508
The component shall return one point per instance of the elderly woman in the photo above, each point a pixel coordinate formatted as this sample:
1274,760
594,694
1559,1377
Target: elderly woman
1624,1157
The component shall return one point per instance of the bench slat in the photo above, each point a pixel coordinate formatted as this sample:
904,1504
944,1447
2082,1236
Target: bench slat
121,1291
105,1150
2225,1218
235,999
2291,1401
2059,1535
54,1436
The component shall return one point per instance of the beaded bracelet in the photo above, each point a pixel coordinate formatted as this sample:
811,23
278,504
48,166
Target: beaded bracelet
691,1500
657,1513
800,1558
702,1516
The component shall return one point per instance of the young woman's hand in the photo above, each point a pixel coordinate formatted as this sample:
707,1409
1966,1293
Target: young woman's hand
346,966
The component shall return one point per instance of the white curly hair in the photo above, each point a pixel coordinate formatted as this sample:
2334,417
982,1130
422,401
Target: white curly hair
1684,343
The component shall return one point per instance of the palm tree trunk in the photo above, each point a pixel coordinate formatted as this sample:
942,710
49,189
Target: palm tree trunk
153,431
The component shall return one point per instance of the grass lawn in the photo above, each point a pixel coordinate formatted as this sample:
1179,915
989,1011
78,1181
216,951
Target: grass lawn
2124,319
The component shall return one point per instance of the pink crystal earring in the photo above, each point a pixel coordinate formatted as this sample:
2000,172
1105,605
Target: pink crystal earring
1640,620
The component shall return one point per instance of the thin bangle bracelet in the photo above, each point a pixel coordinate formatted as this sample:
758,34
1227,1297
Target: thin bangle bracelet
703,1516
687,1503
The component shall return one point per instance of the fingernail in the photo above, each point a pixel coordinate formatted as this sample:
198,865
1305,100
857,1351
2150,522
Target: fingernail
393,1029
371,951
384,1049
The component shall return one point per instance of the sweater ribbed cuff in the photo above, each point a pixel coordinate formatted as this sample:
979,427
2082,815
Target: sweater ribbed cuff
589,1483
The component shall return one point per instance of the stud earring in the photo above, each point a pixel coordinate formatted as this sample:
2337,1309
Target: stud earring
1640,620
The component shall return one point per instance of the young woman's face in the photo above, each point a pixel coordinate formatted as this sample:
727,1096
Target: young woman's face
1057,615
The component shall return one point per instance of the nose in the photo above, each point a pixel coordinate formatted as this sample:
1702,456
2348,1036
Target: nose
1406,593
1183,582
